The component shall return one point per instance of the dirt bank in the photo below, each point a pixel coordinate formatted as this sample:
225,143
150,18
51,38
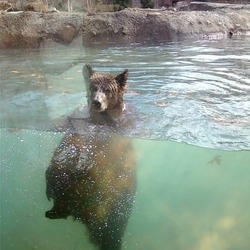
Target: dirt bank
31,29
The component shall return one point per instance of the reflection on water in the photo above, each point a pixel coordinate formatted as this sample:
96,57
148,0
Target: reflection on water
187,197
193,92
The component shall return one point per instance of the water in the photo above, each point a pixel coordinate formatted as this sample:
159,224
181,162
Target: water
192,92
188,197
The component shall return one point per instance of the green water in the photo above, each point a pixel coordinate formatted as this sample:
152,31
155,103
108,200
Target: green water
188,198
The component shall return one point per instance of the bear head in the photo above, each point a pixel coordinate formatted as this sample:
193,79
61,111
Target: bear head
104,93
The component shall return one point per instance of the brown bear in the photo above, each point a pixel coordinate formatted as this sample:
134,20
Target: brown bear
92,176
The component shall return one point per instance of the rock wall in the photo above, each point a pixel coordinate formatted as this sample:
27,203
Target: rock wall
81,5
31,29
225,1
161,25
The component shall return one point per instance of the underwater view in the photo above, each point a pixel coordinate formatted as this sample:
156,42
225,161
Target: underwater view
190,102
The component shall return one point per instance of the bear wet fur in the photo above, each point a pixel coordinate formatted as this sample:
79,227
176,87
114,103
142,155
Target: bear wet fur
93,177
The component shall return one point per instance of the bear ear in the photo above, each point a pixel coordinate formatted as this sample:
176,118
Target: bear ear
122,78
87,72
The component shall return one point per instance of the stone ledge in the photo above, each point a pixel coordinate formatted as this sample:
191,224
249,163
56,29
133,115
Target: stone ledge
207,6
31,29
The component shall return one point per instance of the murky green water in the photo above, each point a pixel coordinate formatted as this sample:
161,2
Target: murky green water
188,197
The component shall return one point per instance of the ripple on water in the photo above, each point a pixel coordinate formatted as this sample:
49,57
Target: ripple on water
194,92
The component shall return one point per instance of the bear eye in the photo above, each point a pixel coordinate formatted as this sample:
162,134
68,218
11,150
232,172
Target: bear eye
107,90
93,88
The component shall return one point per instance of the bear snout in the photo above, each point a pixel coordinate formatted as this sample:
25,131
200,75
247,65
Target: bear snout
96,104
99,102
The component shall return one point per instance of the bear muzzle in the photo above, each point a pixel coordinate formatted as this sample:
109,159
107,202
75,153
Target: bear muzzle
99,102
96,104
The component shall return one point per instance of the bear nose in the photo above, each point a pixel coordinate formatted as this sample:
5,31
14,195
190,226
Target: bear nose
96,103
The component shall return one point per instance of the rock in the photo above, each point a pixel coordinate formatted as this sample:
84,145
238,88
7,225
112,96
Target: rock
30,29
181,6
5,6
208,6
163,25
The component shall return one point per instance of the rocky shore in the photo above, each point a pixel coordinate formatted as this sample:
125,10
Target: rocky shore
29,29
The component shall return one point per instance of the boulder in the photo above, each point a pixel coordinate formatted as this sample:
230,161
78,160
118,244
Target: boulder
30,29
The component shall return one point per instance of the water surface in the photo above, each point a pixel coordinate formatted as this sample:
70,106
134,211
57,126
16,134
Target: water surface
189,197
192,92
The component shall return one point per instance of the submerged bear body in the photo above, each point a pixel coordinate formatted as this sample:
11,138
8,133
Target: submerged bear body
92,176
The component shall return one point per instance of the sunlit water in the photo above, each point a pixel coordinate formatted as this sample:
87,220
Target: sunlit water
188,197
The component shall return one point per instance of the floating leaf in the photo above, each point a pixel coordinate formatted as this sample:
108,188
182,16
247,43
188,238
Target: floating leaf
132,93
160,104
66,92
